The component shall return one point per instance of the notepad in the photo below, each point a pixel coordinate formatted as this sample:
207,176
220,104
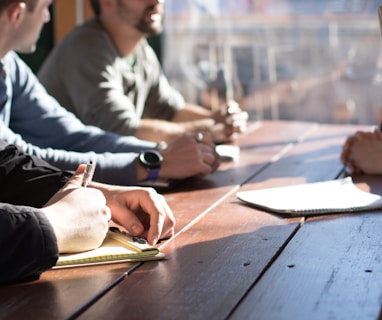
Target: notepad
118,246
334,196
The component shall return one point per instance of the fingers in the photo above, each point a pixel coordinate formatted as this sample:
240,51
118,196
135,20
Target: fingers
162,222
227,130
209,154
209,159
235,123
236,128
240,117
203,137
190,155
151,217
76,180
236,119
206,148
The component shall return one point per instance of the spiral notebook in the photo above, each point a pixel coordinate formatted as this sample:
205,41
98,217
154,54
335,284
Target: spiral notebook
118,246
334,196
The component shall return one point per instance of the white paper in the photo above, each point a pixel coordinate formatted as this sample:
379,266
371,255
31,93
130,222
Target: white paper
320,197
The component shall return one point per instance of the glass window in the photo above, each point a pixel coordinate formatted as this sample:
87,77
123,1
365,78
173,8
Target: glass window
282,59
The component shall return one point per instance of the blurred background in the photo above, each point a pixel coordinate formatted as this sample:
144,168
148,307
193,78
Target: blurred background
282,59
315,60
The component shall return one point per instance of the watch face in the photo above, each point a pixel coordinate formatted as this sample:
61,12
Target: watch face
151,159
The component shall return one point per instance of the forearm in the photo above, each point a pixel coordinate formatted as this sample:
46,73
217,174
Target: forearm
191,112
115,168
28,244
159,130
27,180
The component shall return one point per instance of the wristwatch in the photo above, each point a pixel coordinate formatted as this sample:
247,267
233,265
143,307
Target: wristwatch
152,161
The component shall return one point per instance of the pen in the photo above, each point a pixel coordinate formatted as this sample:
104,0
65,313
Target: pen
88,174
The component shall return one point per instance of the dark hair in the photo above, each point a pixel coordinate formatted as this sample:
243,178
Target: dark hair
96,7
31,4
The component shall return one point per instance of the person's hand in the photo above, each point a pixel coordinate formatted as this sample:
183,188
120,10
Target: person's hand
79,216
141,211
346,151
362,153
230,120
189,155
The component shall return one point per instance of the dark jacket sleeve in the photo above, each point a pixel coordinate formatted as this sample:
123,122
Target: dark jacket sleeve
28,244
27,180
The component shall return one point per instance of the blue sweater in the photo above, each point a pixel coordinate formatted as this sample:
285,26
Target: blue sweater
35,121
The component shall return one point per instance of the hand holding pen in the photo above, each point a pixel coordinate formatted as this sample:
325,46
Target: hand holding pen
79,216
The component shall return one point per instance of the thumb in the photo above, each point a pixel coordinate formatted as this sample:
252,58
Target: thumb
76,180
74,183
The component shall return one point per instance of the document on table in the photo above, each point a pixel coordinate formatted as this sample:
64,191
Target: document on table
333,196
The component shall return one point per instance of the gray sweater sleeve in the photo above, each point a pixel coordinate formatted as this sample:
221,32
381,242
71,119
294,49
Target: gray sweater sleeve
28,245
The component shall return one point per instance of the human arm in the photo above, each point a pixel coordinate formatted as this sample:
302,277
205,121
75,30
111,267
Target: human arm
27,243
27,180
33,115
223,123
116,168
74,223
36,115
30,117
32,238
129,100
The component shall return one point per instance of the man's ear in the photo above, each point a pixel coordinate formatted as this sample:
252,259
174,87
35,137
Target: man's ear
16,12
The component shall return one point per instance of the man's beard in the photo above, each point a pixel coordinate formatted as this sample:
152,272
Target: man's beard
151,29
148,29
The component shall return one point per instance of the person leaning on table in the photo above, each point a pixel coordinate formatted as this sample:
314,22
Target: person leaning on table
106,73
44,211
37,123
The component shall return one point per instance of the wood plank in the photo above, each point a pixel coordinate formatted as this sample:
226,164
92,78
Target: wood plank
216,239
315,157
259,146
213,263
209,269
330,270
58,293
61,292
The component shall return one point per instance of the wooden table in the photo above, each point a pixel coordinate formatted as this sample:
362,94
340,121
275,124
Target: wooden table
230,261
